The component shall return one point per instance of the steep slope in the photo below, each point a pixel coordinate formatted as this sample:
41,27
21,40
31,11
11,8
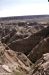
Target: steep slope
27,44
13,63
39,50
41,66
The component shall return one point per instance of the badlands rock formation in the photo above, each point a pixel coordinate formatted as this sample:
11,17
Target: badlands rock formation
24,49
39,50
13,63
41,66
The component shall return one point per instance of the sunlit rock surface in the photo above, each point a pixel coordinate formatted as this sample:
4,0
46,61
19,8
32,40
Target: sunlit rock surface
41,66
12,62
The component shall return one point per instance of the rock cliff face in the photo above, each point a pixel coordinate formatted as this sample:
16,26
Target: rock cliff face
41,66
25,45
24,49
13,62
23,39
39,50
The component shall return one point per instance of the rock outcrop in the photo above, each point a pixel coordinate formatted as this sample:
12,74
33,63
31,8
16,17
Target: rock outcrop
27,44
13,63
41,66
39,50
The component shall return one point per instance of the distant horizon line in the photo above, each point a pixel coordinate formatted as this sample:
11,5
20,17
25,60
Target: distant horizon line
25,15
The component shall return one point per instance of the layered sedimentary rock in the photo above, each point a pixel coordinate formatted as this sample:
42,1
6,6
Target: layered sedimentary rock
39,50
13,63
24,46
27,44
41,66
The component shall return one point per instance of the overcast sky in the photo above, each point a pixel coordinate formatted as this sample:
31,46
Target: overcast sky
23,7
